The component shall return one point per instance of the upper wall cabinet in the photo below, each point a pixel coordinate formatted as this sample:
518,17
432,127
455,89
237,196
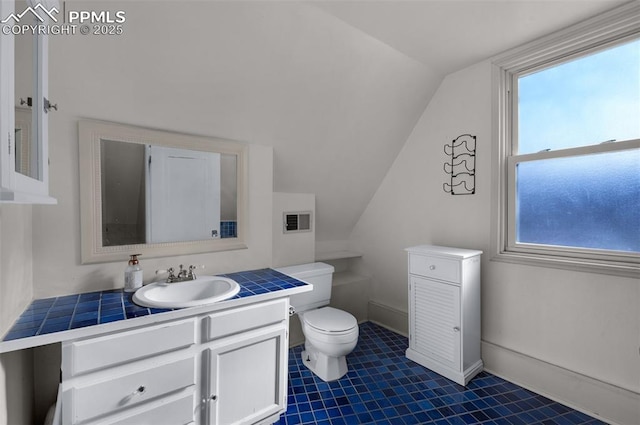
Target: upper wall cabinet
24,104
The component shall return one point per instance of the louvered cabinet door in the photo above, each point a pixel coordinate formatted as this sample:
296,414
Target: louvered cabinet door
435,330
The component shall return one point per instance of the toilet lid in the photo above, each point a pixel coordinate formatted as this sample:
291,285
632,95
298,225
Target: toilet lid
329,319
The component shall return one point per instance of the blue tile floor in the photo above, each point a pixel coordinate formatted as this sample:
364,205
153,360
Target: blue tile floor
384,387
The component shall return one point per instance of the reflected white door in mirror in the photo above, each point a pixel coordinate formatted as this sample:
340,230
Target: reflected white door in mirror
158,192
24,104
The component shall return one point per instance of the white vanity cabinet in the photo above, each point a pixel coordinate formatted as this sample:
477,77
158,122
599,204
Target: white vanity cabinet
226,367
444,311
131,377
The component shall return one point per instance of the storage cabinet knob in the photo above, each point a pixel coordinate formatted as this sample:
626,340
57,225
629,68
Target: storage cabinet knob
432,267
456,329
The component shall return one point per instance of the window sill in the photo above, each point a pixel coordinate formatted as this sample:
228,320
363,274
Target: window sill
623,269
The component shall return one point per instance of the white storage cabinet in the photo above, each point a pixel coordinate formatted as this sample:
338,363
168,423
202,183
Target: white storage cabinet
444,311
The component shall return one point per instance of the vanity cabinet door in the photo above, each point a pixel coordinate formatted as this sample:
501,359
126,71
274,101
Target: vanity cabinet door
247,377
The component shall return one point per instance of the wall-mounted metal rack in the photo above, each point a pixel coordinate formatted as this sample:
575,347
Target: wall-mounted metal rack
462,166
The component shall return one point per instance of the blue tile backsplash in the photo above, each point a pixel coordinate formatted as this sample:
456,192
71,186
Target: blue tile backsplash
45,316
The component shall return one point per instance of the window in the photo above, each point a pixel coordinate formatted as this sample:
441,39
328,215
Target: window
568,110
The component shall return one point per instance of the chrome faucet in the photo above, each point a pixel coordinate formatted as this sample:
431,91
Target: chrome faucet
182,276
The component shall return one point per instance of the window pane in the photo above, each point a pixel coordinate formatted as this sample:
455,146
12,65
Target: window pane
590,201
583,102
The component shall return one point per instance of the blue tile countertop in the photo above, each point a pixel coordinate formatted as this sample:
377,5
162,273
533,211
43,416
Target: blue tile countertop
70,312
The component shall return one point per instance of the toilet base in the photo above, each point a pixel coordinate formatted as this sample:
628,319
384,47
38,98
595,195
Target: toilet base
325,367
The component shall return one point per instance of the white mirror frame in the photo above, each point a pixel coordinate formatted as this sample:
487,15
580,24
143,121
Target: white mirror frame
90,133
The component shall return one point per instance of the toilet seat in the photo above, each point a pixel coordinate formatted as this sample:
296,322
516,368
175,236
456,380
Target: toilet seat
329,320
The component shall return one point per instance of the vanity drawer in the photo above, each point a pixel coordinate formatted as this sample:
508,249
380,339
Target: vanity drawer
119,392
240,319
435,267
176,412
95,353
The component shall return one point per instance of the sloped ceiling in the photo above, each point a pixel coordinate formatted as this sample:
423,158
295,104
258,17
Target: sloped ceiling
448,35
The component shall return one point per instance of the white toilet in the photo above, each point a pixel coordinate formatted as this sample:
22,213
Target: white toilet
330,334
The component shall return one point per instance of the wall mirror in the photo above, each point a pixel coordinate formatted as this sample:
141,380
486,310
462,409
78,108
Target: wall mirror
26,84
158,193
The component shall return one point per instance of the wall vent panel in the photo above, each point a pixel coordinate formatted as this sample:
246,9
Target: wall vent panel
297,222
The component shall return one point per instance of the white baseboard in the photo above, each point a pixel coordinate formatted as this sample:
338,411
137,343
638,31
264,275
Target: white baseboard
389,317
599,399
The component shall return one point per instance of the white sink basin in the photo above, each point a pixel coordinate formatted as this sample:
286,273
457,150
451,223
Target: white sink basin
191,293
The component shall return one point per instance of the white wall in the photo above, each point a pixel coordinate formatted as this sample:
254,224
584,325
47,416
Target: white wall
16,259
16,290
296,247
573,336
16,388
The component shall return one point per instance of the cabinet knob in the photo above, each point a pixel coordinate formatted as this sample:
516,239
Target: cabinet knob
432,267
49,106
456,329
140,390
212,397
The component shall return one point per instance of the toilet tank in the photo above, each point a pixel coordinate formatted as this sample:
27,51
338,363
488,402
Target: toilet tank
320,276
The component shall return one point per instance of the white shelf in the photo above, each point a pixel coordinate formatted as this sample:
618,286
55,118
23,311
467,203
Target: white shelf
337,255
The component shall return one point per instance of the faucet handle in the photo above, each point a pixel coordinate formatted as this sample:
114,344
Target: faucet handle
170,270
192,270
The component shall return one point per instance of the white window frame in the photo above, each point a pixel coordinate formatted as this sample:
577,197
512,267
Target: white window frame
609,29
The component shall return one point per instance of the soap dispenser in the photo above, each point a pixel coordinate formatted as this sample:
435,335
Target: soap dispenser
133,274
